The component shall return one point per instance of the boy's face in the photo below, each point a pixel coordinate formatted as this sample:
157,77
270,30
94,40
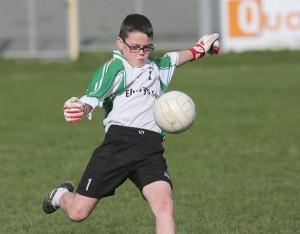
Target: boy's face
136,40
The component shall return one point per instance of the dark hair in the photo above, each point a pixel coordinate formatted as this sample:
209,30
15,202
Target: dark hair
136,23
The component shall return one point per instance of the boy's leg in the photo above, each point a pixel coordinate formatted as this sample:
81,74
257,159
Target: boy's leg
159,197
75,206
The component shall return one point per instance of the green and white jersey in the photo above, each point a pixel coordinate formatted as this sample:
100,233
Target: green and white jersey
127,93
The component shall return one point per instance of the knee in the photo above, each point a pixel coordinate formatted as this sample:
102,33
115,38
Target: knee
76,216
163,208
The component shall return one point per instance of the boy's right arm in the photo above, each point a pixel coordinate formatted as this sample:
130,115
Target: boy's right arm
75,110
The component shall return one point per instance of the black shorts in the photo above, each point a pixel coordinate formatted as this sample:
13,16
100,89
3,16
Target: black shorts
126,152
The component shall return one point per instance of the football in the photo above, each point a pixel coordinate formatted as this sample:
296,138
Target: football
174,112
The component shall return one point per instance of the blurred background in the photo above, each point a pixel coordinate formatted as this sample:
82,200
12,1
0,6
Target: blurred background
236,170
64,28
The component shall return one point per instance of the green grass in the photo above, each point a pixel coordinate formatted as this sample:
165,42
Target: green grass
237,170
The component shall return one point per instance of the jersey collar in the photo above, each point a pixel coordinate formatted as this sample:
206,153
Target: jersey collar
117,54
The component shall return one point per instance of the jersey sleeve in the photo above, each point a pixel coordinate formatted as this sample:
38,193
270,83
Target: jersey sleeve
107,80
167,66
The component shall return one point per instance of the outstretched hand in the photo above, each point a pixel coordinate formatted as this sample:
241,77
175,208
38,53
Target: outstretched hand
205,45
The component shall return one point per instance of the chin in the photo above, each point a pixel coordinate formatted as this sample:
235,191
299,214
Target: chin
139,64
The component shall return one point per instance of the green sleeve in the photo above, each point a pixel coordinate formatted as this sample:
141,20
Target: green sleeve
103,78
165,65
164,62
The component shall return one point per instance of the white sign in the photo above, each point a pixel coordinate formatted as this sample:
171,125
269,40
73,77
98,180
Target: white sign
260,24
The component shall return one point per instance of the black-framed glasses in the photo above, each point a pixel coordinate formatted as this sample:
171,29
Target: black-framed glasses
136,48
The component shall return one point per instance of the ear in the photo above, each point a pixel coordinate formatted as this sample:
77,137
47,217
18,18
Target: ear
119,43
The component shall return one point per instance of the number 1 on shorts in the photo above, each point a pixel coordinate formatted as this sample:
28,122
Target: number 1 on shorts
88,184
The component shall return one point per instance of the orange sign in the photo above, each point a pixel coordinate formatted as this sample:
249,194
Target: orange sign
260,24
245,17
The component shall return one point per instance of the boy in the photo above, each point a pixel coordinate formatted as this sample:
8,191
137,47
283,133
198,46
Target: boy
126,87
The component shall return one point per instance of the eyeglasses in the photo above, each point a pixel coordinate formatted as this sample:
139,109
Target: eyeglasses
136,48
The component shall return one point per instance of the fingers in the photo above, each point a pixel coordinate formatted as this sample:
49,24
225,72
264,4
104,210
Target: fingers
207,41
213,37
205,45
73,120
73,114
215,48
73,110
74,102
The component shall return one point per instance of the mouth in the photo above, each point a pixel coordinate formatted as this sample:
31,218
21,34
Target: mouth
141,61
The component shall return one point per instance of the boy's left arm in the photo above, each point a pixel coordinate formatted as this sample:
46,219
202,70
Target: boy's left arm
202,47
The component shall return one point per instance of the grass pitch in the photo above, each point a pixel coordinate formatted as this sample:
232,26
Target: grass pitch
237,170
